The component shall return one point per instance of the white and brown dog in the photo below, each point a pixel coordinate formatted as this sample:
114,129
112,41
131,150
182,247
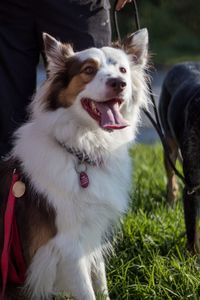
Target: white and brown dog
72,156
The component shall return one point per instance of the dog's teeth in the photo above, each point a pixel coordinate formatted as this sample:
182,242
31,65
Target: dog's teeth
93,106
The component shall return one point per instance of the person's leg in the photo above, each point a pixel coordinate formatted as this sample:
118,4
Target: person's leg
99,26
84,23
18,60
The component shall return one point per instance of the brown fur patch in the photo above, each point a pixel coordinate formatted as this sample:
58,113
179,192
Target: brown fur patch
70,81
78,82
40,222
35,219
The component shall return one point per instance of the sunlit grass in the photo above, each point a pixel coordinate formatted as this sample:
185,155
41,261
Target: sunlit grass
151,260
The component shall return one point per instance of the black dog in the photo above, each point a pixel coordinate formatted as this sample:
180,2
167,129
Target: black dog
179,110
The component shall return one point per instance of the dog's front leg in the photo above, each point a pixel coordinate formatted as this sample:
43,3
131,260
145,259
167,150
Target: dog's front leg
191,221
78,280
74,271
99,277
172,186
191,167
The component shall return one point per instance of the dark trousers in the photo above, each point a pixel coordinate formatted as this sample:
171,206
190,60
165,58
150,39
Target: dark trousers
83,23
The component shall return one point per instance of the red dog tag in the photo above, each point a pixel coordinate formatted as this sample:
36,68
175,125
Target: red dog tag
84,180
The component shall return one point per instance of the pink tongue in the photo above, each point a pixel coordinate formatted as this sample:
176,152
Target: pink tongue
111,117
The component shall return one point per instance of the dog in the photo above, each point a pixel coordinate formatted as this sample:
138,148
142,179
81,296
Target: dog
179,110
74,167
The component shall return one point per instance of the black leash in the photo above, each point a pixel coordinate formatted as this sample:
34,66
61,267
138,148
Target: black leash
155,122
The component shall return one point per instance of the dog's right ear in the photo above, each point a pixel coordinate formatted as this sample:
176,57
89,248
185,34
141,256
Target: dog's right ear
56,52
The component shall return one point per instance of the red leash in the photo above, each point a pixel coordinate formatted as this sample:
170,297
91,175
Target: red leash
13,266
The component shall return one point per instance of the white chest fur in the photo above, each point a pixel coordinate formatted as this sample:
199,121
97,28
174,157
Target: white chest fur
83,216
53,172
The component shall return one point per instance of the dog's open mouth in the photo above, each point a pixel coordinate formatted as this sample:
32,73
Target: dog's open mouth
106,113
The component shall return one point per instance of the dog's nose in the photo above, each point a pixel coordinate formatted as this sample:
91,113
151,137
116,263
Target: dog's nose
117,84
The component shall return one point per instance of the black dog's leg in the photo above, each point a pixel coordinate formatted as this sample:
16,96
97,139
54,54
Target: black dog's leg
172,186
165,100
191,221
190,149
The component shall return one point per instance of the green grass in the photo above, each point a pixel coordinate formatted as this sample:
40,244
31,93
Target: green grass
151,261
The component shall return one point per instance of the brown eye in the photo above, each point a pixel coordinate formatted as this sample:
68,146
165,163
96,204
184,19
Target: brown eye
122,70
89,70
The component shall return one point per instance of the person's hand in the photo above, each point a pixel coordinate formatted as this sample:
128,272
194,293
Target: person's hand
120,4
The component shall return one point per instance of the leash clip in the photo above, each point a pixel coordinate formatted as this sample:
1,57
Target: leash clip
193,190
190,192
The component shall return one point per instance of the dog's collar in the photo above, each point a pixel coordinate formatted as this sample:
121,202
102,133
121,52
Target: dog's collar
81,167
82,156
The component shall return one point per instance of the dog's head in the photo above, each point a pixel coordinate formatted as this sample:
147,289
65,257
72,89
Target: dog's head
95,84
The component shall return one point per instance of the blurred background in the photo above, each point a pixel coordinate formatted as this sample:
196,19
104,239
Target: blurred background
174,36
174,33
174,28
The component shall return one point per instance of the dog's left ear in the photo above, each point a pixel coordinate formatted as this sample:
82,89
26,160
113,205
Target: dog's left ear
56,52
136,45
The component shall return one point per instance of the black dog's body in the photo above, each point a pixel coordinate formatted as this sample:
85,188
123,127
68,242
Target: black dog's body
179,110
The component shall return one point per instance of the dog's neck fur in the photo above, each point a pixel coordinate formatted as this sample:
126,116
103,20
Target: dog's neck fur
35,136
97,143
